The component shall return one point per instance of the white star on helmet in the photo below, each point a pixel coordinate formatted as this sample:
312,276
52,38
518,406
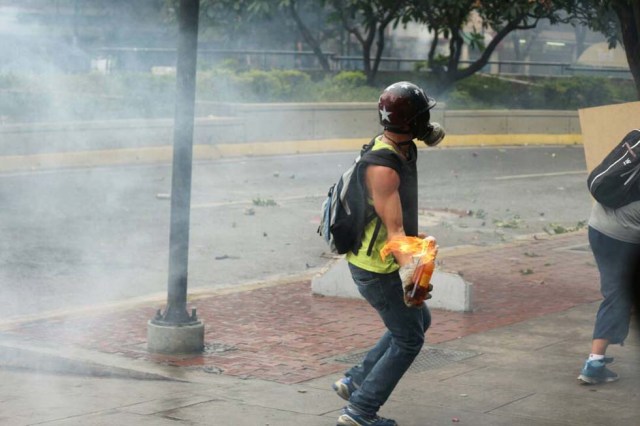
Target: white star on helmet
384,114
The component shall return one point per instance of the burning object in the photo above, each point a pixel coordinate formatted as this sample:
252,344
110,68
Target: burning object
423,252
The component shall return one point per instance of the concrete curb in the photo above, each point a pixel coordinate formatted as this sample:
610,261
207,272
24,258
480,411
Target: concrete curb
18,353
164,154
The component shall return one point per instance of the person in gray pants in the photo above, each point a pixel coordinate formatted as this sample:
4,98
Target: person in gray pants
614,236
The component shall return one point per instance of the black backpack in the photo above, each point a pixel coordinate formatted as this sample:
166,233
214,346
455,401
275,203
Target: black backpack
345,211
615,182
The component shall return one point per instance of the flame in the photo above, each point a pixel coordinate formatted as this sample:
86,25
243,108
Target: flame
426,248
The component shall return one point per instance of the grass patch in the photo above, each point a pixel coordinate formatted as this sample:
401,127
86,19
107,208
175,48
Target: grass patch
269,202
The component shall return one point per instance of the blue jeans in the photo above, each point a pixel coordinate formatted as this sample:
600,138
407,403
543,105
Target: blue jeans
618,263
385,364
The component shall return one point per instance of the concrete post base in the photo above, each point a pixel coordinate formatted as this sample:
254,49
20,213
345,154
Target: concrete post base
177,339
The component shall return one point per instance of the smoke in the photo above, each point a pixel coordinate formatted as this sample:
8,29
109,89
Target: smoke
74,237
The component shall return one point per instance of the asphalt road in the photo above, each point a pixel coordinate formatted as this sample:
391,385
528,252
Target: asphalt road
77,237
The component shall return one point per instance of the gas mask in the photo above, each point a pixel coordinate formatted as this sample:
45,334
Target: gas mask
429,133
435,136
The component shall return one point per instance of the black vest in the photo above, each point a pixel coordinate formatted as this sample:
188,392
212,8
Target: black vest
408,189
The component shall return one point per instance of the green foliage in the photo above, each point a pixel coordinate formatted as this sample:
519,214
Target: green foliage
561,93
292,81
489,91
268,202
262,84
555,228
600,16
439,61
579,93
347,86
283,86
420,66
350,79
219,85
230,65
460,99
511,223
253,86
99,97
475,40
86,97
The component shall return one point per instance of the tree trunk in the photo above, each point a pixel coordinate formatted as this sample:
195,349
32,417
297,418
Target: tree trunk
478,64
581,34
379,50
516,46
629,16
380,42
309,38
366,54
432,49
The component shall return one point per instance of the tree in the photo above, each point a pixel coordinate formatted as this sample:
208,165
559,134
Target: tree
306,33
528,38
235,24
301,13
450,19
307,18
619,21
368,21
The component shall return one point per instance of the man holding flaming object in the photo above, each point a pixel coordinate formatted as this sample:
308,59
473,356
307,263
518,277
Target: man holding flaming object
404,112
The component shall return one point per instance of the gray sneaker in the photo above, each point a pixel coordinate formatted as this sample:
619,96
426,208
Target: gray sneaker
350,417
345,387
595,372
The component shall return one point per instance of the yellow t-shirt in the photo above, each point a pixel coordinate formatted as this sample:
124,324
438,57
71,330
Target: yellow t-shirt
374,263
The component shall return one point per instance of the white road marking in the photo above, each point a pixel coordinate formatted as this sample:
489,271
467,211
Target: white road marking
240,202
576,172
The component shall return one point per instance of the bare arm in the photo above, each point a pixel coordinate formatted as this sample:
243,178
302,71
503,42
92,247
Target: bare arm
383,183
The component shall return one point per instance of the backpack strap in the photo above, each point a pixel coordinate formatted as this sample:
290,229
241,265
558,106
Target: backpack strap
375,235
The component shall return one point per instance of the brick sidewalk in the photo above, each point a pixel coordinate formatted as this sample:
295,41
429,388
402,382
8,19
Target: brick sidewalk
285,334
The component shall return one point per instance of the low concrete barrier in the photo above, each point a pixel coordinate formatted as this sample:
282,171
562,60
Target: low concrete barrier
301,121
450,291
40,138
283,122
263,129
510,122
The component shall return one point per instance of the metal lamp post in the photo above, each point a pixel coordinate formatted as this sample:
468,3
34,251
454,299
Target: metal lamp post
175,330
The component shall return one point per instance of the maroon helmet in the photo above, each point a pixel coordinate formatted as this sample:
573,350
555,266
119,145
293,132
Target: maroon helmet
404,106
